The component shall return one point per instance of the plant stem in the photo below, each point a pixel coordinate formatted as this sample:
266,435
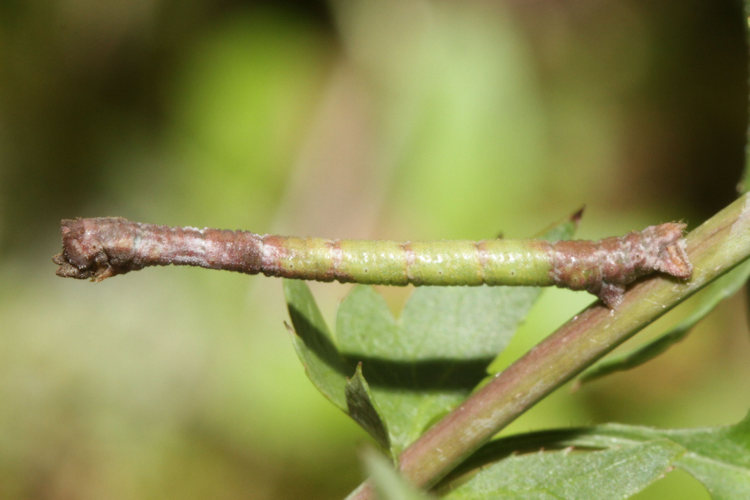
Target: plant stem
716,246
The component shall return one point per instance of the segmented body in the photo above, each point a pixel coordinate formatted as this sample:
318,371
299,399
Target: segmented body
102,247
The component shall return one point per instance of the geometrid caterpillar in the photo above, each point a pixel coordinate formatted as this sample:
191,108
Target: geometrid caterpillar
98,248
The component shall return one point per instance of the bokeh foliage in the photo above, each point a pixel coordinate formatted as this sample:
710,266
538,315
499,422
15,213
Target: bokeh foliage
406,120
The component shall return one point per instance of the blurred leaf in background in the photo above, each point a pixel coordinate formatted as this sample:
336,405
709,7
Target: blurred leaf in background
413,119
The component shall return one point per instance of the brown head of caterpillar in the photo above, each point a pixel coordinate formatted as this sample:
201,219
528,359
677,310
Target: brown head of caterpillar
95,248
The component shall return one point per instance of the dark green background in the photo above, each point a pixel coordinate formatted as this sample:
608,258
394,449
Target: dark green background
389,119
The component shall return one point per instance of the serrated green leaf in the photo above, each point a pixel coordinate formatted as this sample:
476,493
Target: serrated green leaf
323,364
722,288
718,457
409,390
388,483
325,367
463,322
365,327
570,474
361,407
422,366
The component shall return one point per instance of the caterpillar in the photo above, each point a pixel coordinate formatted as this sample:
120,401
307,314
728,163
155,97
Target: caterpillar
98,248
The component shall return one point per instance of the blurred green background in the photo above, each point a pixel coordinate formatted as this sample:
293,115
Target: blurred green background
404,119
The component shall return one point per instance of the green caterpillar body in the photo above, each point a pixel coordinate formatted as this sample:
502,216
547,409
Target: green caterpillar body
98,248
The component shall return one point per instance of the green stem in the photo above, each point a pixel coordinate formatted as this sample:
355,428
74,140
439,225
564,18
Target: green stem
719,244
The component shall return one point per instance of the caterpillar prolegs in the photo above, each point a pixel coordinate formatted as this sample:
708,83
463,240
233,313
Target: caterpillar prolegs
98,248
